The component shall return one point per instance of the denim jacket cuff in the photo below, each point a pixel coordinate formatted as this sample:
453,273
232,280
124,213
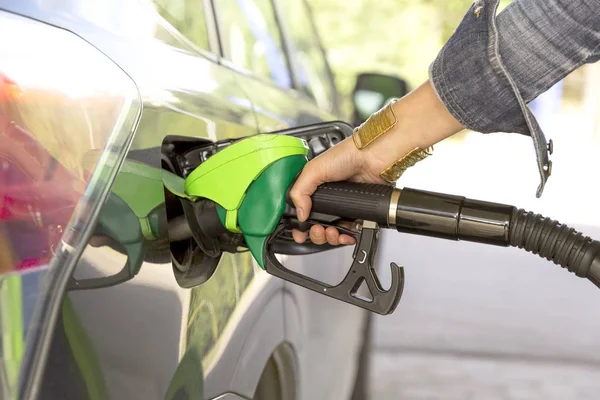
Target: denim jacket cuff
467,84
473,83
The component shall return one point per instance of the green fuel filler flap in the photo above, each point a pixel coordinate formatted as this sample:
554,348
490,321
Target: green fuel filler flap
249,180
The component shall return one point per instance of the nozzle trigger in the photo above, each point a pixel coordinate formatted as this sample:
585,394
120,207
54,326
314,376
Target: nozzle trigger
362,271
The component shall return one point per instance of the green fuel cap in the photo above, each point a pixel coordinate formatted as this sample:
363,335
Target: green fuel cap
249,180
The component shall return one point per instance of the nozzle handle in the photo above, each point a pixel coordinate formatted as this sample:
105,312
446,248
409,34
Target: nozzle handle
352,200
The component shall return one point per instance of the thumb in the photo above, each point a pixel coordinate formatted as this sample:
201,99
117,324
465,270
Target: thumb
303,188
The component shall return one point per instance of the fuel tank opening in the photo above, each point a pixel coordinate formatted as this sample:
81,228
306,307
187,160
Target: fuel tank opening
192,265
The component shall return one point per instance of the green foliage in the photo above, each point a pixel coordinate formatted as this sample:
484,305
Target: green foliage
400,37
187,16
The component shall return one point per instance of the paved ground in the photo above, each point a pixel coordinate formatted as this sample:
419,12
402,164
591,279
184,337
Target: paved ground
417,376
477,322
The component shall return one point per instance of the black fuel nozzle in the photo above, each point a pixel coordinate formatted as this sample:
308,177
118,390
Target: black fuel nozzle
452,217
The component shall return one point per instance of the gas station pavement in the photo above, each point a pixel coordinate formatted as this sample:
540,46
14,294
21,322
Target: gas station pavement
479,322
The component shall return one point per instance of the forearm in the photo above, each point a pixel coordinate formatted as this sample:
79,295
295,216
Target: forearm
422,121
539,41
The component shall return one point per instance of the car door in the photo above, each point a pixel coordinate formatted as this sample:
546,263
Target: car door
151,336
280,64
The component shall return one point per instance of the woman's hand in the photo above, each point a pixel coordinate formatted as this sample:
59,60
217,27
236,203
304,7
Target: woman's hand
422,121
343,162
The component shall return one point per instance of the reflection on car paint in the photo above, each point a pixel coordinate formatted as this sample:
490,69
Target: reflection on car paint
212,305
148,337
11,314
37,198
173,105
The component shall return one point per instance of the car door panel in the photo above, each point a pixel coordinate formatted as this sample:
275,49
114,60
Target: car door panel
320,318
141,332
198,320
313,318
279,109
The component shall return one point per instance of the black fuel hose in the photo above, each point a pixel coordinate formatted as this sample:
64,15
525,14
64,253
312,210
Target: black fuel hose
438,215
556,242
458,218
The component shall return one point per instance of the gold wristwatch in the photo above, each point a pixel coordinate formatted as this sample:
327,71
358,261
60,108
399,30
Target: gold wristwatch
376,125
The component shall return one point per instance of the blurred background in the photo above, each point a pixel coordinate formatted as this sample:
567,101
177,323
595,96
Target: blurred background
478,322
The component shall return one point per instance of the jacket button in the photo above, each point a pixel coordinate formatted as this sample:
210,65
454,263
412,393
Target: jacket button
548,168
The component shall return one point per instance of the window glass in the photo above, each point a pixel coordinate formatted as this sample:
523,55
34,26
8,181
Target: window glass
310,60
252,39
187,16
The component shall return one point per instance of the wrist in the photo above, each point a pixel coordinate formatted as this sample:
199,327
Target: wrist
421,122
400,139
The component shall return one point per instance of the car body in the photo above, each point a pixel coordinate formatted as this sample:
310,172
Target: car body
242,334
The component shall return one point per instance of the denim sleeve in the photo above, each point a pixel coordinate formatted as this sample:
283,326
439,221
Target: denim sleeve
492,66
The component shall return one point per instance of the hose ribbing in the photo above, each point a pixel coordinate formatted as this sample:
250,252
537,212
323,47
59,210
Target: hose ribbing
556,242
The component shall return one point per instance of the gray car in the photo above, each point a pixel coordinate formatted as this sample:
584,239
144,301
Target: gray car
97,100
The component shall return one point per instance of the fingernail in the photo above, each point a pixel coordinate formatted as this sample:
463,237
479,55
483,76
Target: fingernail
347,241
